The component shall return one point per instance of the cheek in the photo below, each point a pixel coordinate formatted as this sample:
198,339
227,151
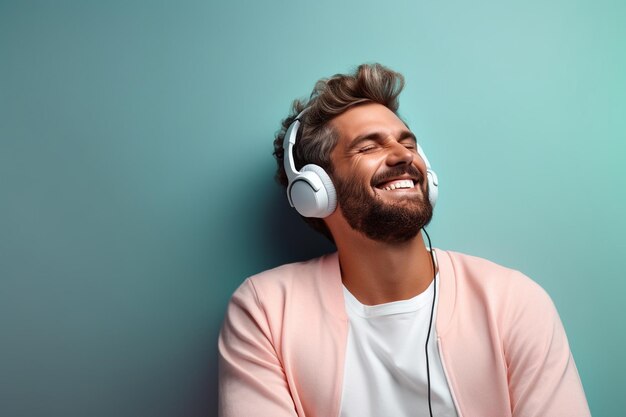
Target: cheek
419,162
365,167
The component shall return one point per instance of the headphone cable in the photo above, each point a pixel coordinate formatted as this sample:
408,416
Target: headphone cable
432,310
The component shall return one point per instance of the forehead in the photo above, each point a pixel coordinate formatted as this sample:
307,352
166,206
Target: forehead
364,119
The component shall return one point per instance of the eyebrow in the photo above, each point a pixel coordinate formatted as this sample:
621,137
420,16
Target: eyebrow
377,136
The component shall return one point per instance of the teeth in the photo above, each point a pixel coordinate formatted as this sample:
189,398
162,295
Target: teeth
399,184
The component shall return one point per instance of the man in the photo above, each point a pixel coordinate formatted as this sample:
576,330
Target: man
386,326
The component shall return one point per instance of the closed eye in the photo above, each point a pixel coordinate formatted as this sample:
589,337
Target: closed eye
367,146
409,144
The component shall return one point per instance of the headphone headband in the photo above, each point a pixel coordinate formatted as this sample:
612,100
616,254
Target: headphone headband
288,144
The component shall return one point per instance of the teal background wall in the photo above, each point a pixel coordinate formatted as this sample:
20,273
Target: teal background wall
136,187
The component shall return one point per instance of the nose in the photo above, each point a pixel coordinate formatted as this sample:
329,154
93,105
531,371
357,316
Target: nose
398,154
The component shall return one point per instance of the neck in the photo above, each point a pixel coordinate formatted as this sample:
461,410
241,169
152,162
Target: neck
377,273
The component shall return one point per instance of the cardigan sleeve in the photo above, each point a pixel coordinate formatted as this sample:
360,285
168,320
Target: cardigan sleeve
251,378
543,379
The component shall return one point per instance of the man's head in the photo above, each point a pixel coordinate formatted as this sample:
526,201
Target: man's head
335,111
381,181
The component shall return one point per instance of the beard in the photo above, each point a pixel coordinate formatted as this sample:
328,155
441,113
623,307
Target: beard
379,220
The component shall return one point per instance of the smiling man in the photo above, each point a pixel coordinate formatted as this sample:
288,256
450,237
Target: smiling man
386,326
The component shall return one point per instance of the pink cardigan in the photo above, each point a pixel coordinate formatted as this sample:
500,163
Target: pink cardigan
501,341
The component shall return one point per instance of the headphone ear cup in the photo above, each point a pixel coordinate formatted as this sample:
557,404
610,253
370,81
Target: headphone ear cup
433,187
312,192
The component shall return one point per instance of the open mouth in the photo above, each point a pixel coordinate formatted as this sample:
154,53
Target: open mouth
398,184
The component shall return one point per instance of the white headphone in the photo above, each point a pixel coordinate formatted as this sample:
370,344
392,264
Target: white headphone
311,191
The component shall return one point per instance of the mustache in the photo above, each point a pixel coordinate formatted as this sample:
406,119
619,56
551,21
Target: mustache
398,171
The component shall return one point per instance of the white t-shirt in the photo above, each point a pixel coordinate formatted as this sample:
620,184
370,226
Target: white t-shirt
385,367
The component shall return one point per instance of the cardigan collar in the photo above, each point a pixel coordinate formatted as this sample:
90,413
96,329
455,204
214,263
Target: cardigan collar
331,288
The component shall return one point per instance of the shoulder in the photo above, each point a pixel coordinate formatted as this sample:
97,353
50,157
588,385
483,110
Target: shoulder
506,309
283,300
489,277
506,297
288,276
273,287
501,290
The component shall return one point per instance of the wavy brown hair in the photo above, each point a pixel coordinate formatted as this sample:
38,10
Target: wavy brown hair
330,98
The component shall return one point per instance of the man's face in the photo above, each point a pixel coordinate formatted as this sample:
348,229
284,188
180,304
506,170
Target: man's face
380,179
